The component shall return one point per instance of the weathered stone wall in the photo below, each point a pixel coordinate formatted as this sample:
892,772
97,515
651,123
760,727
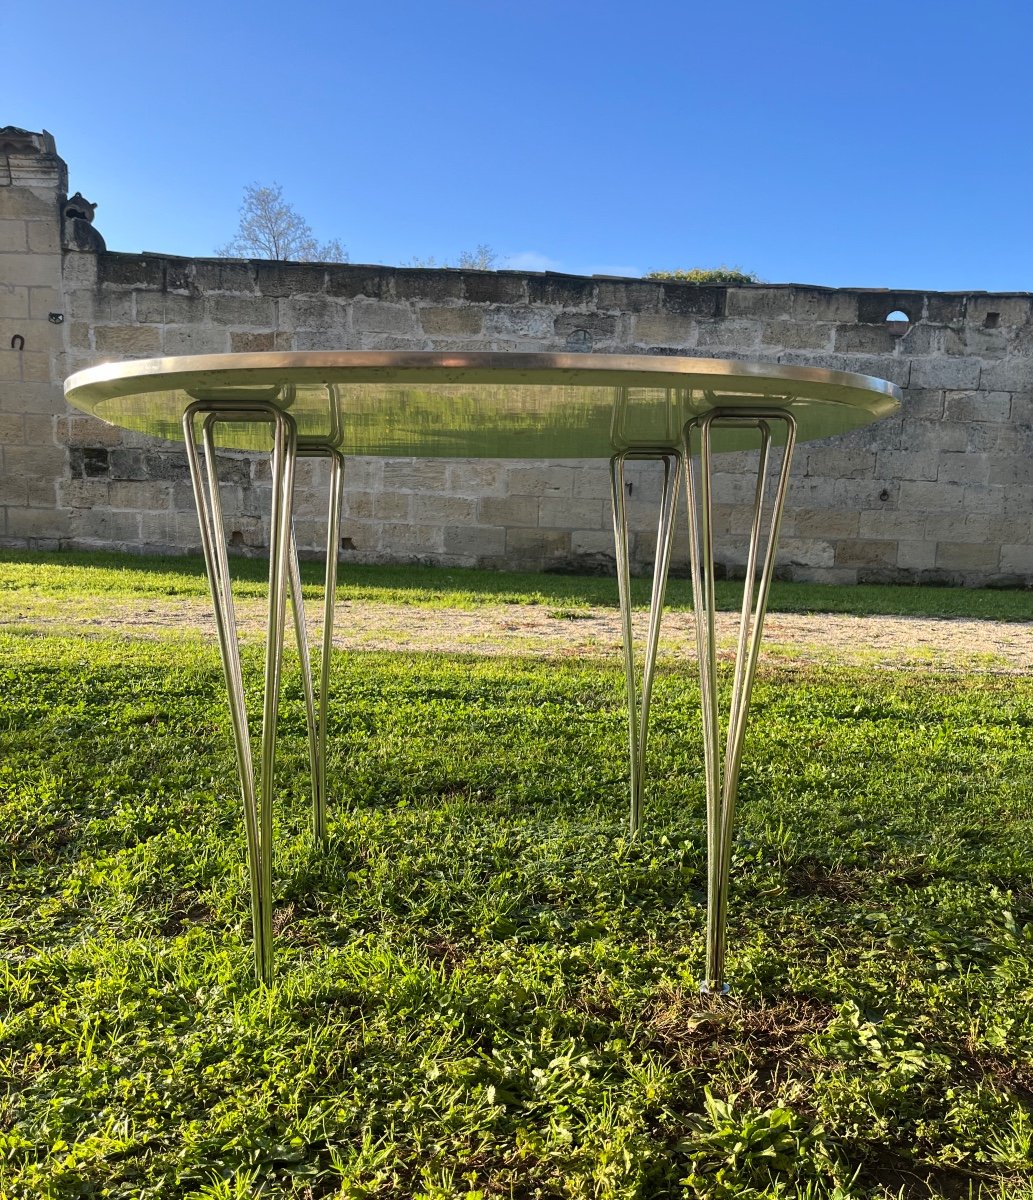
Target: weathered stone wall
943,492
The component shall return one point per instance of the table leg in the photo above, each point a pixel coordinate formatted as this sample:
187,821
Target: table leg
722,774
638,704
316,710
257,800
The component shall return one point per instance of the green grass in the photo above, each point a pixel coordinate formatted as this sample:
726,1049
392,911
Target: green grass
483,987
123,576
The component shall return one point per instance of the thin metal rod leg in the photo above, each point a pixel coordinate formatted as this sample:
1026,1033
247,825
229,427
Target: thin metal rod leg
257,800
316,711
722,772
638,704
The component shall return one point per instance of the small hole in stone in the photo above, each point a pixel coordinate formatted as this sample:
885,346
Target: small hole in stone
347,544
898,322
236,538
991,320
884,495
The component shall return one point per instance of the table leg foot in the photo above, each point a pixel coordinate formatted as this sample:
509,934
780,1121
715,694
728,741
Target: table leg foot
722,771
257,796
638,702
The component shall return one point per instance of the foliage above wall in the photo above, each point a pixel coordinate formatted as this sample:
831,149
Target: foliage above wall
708,275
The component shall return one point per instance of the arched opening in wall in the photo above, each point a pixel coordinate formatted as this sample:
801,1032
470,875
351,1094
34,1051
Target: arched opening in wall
898,322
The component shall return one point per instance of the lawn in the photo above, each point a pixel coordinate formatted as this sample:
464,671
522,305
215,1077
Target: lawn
483,987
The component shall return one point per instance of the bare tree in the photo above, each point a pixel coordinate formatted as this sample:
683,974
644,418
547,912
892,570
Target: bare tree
480,258
271,228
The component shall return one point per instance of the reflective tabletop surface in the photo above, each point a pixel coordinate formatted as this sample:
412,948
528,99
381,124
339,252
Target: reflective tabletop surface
483,405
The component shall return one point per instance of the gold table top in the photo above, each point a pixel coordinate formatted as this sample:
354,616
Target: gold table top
478,405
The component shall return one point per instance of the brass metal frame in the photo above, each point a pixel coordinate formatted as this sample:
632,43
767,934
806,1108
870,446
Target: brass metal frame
284,579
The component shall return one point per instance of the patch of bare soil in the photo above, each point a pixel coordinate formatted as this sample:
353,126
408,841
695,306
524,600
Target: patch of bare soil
914,643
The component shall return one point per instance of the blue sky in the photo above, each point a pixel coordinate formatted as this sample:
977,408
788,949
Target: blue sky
870,144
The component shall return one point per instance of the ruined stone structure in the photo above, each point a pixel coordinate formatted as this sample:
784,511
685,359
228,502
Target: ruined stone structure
942,493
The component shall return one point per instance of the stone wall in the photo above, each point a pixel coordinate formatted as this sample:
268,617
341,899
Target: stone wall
941,493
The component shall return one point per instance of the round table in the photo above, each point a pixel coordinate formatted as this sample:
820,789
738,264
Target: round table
677,411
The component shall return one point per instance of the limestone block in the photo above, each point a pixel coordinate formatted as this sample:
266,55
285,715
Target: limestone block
966,555
840,464
916,555
476,542
592,543
518,321
490,287
1010,310
735,335
289,279
865,339
168,308
32,270
1021,411
758,301
977,406
243,311
561,512
34,461
195,339
39,429
242,342
965,467
627,296
813,305
592,482
430,284
414,474
510,511
883,523
358,505
454,320
370,316
933,435
806,552
14,302
545,479
13,238
1009,469
956,374
971,527
1014,500
32,397
599,327
12,429
475,478
43,301
397,506
867,552
177,531
140,494
44,236
539,545
664,329
79,270
131,339
797,335
907,464
14,491
409,538
920,497
693,299
824,523
923,403
1017,557
34,523
561,291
